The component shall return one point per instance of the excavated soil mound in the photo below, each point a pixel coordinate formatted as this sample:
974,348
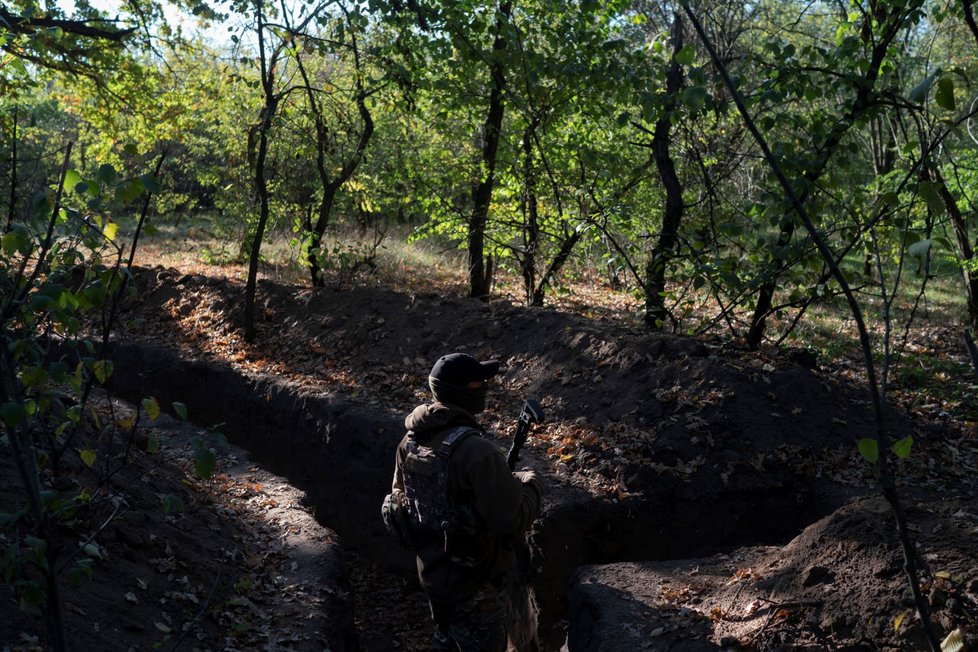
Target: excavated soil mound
839,585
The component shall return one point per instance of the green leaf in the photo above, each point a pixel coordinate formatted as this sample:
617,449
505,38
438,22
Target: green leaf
930,191
152,444
106,174
129,191
87,456
80,571
695,97
102,369
945,93
686,56
180,409
150,183
204,462
12,414
902,448
18,240
173,503
869,449
152,408
72,179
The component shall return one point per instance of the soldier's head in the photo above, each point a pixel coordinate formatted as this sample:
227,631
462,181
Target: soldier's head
460,379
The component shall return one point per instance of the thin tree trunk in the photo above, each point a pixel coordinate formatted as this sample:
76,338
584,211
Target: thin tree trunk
531,226
317,232
479,274
261,184
969,344
566,247
665,247
965,249
13,174
969,17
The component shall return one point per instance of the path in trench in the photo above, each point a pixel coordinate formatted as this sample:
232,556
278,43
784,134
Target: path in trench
392,614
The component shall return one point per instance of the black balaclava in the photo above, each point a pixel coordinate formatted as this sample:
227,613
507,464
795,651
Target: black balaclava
451,375
472,401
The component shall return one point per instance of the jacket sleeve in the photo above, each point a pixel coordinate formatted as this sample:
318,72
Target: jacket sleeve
508,503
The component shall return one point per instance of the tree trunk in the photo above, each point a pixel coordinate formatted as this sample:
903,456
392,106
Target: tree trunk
531,225
316,233
965,250
261,184
479,280
13,173
556,264
665,247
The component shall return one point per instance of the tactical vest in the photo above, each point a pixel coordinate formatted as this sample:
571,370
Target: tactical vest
429,501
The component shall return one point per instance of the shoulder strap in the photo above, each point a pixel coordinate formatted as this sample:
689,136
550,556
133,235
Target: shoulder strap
454,438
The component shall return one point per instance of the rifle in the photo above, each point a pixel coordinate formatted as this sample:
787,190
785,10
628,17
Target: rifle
531,413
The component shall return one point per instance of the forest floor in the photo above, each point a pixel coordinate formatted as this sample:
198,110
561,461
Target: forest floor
247,585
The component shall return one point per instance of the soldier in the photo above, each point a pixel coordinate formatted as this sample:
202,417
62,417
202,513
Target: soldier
461,509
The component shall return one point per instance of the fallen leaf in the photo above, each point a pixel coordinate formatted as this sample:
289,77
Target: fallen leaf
899,620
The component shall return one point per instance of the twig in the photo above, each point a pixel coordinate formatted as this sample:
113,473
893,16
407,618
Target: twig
203,608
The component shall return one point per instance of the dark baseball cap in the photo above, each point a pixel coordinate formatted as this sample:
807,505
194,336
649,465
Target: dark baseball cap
461,369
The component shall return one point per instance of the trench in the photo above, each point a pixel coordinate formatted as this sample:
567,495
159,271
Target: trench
340,453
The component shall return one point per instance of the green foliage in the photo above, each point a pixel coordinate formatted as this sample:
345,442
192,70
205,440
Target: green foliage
62,270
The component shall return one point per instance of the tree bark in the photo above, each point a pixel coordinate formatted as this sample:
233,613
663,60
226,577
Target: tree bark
261,184
479,274
965,249
13,173
672,215
531,217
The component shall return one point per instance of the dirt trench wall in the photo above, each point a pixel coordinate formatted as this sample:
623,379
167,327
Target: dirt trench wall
338,453
341,455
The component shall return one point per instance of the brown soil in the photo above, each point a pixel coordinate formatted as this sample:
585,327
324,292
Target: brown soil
696,427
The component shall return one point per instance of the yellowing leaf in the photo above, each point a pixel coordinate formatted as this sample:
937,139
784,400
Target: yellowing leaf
88,457
899,620
567,457
103,369
943,575
111,229
152,408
